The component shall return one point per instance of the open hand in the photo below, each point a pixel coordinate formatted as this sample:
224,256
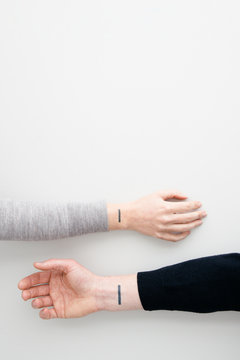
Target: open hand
64,285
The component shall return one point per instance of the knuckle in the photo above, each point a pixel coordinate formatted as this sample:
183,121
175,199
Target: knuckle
186,219
167,219
167,205
159,235
160,228
173,237
164,219
72,261
180,237
190,205
196,223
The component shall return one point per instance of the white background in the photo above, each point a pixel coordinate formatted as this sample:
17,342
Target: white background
115,100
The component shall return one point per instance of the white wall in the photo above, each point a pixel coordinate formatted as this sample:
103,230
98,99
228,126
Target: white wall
114,100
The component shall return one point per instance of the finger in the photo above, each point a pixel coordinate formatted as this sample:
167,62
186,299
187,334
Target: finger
42,302
64,265
183,227
47,314
35,291
34,279
172,194
173,237
181,207
186,218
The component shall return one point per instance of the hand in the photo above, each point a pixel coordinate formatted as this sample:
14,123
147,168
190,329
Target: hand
63,284
155,216
73,291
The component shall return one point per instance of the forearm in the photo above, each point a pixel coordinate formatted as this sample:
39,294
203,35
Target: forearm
116,293
120,216
31,220
201,285
150,215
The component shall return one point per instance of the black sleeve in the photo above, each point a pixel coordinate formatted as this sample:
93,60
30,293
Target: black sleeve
200,285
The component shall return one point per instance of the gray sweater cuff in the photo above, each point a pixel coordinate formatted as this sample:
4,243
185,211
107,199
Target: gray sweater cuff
32,220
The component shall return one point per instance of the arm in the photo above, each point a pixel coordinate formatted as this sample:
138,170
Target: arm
32,220
73,291
201,285
151,215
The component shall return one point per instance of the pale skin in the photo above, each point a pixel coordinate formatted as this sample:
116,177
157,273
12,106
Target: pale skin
156,216
65,289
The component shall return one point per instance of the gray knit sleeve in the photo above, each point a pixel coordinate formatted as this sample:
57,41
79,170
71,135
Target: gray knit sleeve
31,220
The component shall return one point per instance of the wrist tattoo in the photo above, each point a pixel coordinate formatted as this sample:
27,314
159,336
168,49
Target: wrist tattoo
119,215
119,295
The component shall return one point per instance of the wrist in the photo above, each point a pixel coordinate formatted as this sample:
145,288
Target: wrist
120,216
116,293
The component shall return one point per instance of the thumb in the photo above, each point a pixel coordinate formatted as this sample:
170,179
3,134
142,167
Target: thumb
172,194
64,265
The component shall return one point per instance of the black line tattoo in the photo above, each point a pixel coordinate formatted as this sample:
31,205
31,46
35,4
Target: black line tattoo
119,215
119,295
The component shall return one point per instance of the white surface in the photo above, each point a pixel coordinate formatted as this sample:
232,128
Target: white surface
117,99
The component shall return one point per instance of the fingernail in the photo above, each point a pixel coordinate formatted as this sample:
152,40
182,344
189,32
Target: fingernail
204,213
34,304
25,294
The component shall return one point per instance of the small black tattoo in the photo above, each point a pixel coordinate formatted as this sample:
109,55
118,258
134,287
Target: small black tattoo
119,295
119,215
